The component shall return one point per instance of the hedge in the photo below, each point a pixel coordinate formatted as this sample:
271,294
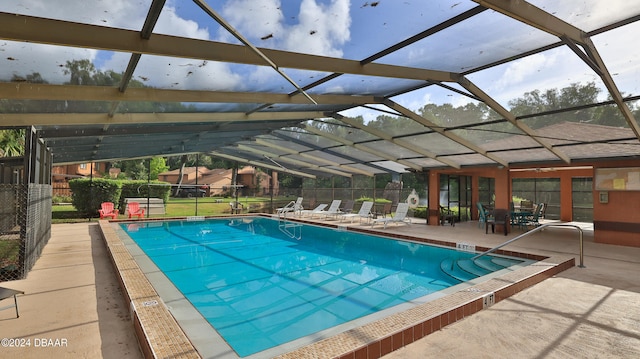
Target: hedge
88,194
420,212
142,189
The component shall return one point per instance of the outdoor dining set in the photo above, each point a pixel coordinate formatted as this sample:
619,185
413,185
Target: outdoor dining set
523,216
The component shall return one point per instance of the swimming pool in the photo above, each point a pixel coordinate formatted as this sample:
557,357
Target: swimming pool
262,282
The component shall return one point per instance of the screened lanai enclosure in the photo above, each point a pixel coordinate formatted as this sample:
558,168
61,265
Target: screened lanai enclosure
324,88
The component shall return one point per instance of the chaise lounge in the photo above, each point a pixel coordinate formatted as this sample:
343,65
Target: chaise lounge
399,217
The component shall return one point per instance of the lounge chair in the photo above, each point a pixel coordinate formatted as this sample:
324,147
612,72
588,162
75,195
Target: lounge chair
293,206
399,217
133,209
311,212
8,293
348,206
386,209
364,212
107,210
334,209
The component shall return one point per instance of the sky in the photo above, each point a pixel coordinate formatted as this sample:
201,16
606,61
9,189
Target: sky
336,28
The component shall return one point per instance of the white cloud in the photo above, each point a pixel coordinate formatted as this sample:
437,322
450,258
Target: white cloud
178,73
520,71
317,27
554,69
24,58
320,29
414,101
21,59
254,19
115,13
170,23
367,114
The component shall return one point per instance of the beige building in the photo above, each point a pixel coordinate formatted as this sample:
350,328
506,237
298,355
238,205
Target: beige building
218,181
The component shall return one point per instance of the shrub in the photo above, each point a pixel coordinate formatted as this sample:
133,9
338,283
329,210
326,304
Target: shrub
420,212
378,200
61,199
87,194
142,189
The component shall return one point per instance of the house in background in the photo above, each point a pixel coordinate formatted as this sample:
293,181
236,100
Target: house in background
189,175
218,181
65,173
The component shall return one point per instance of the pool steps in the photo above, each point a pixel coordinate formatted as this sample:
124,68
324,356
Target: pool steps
467,269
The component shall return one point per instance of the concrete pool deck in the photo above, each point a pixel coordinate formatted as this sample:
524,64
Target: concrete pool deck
73,294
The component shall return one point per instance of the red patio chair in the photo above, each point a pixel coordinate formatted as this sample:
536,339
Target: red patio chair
107,210
133,208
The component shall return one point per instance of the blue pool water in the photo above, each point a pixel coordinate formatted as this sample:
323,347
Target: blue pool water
261,282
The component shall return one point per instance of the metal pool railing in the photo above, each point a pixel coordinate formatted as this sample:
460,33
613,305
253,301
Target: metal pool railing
537,229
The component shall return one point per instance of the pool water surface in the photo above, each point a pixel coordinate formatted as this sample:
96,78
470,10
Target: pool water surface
262,282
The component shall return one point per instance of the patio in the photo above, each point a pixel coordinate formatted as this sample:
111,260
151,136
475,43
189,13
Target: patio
72,294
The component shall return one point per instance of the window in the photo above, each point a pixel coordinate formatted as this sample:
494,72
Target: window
486,190
537,190
582,199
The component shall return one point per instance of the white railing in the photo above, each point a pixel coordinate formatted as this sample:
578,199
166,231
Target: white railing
581,243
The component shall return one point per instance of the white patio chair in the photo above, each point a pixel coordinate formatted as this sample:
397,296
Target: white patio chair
399,217
293,206
311,212
334,209
364,212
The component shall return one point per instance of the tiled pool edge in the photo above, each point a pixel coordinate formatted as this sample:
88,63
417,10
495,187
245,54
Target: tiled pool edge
160,336
391,333
381,337
158,333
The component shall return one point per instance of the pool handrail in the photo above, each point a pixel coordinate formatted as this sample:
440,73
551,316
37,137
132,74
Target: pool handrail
581,242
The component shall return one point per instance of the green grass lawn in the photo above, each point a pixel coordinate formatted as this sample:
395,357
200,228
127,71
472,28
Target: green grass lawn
178,207
9,252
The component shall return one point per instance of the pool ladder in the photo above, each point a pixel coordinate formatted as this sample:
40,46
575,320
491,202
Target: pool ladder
537,229
290,229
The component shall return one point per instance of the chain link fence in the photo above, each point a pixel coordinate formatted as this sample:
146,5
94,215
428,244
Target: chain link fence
25,227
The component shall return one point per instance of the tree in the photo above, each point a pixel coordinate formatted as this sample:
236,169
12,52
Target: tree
157,166
289,181
201,160
133,169
81,72
554,99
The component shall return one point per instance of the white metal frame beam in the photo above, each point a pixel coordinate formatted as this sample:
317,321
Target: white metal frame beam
397,141
64,33
361,147
311,166
571,36
259,164
528,131
439,129
54,119
266,143
33,91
